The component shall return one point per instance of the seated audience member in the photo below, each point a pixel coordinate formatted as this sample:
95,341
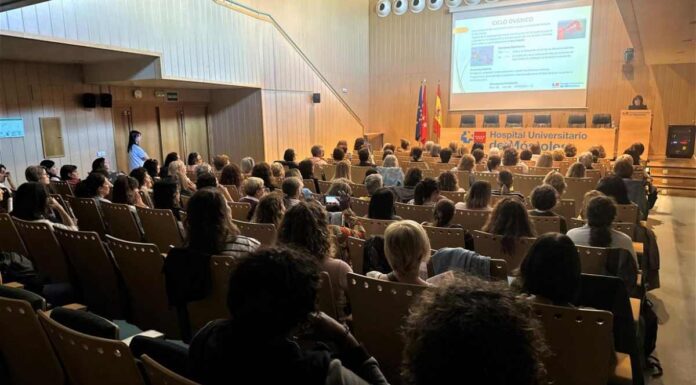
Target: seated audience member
95,186
343,145
613,187
270,209
338,155
51,170
535,148
339,188
177,172
545,160
411,179
391,173
493,164
342,170
318,155
370,171
558,155
404,145
389,147
505,183
372,184
556,179
586,158
543,200
428,146
364,157
32,203
210,229
145,182
273,295
416,154
208,179
478,197
292,188
153,169
277,174
586,201
247,165
633,155
623,168
467,325
509,219
511,158
37,174
494,151
525,155
305,227
453,146
406,246
231,175
478,155
220,161
576,170
289,158
435,150
447,181
387,153
194,159
4,204
570,150
601,212
467,163
445,155
550,273
426,193
263,171
306,168
443,215
359,144
638,147
203,168
165,196
69,173
127,191
6,179
254,190
602,152
164,170
382,205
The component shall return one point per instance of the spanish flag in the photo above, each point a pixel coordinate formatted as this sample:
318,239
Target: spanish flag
437,117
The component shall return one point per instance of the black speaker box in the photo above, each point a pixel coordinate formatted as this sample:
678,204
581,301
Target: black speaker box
105,100
316,98
89,100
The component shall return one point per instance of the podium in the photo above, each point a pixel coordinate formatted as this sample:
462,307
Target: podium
634,126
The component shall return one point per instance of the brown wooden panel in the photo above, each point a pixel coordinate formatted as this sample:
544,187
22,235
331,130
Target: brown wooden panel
144,119
196,131
170,129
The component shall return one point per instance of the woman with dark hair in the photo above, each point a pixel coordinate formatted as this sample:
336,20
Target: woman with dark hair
37,174
94,186
443,214
447,181
338,155
343,145
416,154
359,144
289,158
69,174
127,191
164,170
382,205
165,196
210,229
551,270
50,167
306,168
272,295
478,197
405,193
509,219
144,180
637,103
493,163
426,193
505,181
193,161
601,212
32,203
136,154
404,145
270,209
305,227
231,175
613,186
263,171
512,158
152,167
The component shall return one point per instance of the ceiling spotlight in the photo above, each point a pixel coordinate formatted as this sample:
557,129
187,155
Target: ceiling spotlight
416,6
453,3
434,5
383,8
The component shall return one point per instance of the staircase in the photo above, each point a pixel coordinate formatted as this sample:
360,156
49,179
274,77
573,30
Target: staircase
674,176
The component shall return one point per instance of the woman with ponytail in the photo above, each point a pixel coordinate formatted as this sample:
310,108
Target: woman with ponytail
601,212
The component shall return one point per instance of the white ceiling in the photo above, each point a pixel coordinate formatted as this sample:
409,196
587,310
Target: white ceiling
667,30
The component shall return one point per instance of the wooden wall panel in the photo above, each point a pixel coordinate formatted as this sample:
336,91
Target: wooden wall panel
236,123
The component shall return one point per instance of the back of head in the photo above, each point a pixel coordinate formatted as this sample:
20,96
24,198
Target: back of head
381,205
404,143
570,150
270,209
586,158
252,185
66,170
207,221
416,154
476,146
576,170
613,186
475,328
467,163
413,177
30,201
124,190
176,167
558,155
505,178
171,157
556,179
88,187
277,170
373,183
289,155
551,269
478,154
220,161
340,187
428,146
193,159
164,194
99,164
306,167
247,164
343,145
152,166
543,197
424,190
305,226
263,171
510,157
545,160
359,143
479,195
447,181
623,167
406,245
633,154
206,179
535,148
443,212
493,162
638,147
34,173
338,154
231,175
445,155
509,219
47,164
291,187
435,150
364,155
343,170
525,155
601,212
391,161
316,151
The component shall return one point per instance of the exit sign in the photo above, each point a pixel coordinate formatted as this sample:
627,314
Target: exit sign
172,96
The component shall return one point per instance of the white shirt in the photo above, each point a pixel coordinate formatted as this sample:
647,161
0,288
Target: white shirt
581,237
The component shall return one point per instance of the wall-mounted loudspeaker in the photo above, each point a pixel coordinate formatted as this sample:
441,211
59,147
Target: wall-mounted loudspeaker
105,100
316,98
89,100
383,8
416,6
434,5
400,7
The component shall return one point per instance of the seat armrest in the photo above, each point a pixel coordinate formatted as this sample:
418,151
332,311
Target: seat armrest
75,306
147,333
14,285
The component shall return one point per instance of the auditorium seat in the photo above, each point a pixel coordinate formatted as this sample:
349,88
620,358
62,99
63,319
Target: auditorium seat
356,247
360,206
328,171
416,213
488,177
490,245
566,209
577,187
445,237
514,120
262,232
309,184
61,188
542,120
240,210
524,184
543,225
513,169
121,221
324,186
234,193
373,226
540,170
470,219
579,120
44,251
467,121
325,297
157,374
11,242
358,190
601,120
357,173
454,196
561,165
161,227
89,217
627,213
214,306
626,228
491,121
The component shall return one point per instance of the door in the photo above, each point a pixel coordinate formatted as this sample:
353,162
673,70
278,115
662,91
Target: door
170,129
196,131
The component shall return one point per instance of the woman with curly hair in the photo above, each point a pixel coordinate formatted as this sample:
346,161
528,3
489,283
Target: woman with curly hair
231,175
509,219
263,171
270,209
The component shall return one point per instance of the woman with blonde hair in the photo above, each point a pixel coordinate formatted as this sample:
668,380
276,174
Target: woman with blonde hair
392,174
576,170
556,179
586,158
177,171
270,209
277,174
407,247
342,170
545,160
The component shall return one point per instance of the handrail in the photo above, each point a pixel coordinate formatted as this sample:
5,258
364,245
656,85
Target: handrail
258,14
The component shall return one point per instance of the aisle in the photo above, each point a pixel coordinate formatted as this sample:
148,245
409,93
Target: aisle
674,222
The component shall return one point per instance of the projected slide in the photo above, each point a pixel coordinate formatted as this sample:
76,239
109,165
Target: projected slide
545,50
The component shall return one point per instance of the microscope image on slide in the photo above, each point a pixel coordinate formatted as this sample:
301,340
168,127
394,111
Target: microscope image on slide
571,29
482,56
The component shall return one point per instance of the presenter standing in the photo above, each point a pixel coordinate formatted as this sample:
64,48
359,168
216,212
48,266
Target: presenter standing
136,155
637,103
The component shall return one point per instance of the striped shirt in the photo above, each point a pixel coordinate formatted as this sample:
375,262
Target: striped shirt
239,246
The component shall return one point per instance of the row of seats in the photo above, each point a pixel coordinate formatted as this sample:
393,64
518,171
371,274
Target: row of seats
515,120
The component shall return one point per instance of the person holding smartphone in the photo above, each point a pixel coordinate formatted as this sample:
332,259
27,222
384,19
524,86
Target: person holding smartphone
6,179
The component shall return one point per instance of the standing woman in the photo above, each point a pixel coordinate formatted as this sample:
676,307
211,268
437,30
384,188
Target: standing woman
136,155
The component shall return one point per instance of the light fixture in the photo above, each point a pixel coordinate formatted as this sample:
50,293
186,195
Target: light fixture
453,3
416,6
383,8
434,5
400,7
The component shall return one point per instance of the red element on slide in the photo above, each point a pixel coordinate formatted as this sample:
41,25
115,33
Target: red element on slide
479,136
574,26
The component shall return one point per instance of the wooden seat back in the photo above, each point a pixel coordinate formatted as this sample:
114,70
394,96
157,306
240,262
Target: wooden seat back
160,375
324,186
445,237
524,184
240,210
358,190
357,173
309,184
513,169
541,170
121,221
161,228
566,209
454,196
325,297
471,220
62,188
627,213
561,165
11,242
463,179
413,212
262,232
544,225
356,247
490,245
491,178
44,250
626,228
328,171
234,193
360,207
141,266
88,214
215,305
577,187
147,198
95,272
593,260
374,226
91,360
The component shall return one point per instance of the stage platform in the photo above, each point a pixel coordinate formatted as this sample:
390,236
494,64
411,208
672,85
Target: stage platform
674,176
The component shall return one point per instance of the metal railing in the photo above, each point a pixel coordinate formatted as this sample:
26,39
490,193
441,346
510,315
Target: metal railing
234,5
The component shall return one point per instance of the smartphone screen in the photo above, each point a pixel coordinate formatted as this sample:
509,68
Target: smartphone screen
332,200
